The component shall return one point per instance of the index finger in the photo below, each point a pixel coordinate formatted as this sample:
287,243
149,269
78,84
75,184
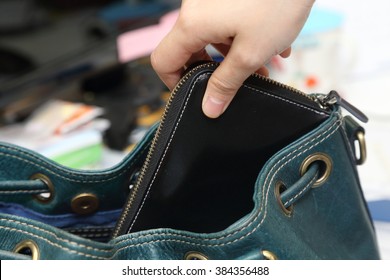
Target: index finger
173,52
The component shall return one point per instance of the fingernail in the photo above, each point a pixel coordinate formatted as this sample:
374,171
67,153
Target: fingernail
213,107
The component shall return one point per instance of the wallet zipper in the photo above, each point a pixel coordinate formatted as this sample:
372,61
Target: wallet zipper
141,175
134,191
332,98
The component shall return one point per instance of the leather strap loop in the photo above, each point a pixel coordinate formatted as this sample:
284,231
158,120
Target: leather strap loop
295,192
23,187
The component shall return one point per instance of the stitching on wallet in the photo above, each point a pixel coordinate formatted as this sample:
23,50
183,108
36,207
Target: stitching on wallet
166,150
136,158
89,230
95,235
286,100
178,122
335,125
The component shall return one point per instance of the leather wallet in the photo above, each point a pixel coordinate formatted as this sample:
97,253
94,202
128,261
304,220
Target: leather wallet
200,172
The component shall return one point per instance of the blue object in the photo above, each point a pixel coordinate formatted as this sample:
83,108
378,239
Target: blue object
321,20
123,11
380,210
101,218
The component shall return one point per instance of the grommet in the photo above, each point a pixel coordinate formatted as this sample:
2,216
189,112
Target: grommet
195,256
325,162
268,255
46,196
279,188
29,248
85,203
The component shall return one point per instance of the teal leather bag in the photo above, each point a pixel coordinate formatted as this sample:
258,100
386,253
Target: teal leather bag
273,178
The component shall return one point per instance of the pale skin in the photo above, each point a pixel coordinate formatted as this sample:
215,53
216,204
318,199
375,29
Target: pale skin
248,33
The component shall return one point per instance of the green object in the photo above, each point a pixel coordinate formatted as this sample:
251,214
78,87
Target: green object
81,158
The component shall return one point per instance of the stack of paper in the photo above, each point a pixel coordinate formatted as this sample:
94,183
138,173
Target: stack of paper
68,133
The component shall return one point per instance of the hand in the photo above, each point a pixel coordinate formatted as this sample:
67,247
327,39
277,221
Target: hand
248,33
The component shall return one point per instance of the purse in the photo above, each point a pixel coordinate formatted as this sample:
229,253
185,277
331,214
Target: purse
274,177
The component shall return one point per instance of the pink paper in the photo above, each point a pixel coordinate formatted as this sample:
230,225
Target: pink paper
141,42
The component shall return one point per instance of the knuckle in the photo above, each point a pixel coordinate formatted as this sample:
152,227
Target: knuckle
223,87
248,61
187,23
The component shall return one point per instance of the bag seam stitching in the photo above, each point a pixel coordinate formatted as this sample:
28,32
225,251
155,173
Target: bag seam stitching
131,164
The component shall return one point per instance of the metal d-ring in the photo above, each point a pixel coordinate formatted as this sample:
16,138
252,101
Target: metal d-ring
362,148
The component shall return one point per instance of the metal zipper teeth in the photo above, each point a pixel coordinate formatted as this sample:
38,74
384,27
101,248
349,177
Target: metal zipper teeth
158,132
153,145
284,86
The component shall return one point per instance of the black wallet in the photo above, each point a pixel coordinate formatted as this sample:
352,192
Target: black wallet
200,172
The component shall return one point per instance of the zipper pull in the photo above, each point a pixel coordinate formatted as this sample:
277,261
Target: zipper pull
334,98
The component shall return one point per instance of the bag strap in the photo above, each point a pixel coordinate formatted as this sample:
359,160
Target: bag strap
308,180
23,187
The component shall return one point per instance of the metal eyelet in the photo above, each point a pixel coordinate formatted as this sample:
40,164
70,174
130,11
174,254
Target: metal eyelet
28,247
46,196
280,188
195,256
85,203
360,138
326,167
268,255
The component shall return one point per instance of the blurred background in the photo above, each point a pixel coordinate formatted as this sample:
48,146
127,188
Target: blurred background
364,81
76,83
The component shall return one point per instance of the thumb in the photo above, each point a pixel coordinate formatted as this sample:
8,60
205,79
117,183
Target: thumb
225,82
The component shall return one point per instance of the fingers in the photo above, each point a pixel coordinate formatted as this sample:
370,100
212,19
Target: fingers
263,71
202,55
237,66
286,53
169,58
244,32
173,53
159,59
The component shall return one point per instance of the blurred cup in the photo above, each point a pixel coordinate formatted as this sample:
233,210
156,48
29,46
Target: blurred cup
321,55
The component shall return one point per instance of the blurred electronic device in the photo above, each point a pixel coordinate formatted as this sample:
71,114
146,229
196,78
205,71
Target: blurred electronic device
123,16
